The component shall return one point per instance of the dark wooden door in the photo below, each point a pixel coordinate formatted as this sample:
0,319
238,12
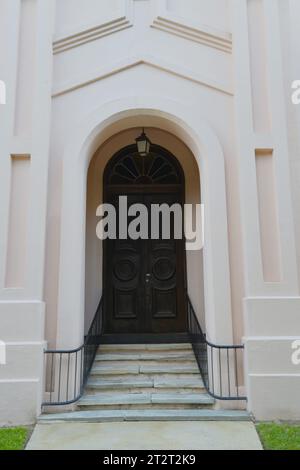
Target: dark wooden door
144,280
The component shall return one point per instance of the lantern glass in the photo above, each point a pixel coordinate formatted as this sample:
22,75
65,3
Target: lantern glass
143,145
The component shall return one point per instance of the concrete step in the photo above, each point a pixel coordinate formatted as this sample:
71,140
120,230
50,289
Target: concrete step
150,367
98,416
116,399
182,398
120,369
146,356
178,381
161,382
145,347
150,362
170,368
128,382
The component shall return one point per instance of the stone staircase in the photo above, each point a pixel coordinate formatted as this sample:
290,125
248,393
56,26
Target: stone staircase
145,382
163,376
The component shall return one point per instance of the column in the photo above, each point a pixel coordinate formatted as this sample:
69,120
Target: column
26,67
272,303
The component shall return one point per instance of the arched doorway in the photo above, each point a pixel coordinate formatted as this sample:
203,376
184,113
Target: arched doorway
144,279
94,130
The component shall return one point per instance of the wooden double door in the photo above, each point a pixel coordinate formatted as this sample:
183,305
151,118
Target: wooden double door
145,279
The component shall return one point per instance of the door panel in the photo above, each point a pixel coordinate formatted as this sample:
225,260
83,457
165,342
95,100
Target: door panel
123,275
144,280
166,283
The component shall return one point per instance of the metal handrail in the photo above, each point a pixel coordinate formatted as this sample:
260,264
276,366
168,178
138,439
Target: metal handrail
218,363
68,369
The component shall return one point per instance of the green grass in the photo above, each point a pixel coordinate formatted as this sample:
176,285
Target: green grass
279,436
13,438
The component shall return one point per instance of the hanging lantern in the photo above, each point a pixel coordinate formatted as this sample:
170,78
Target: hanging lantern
143,144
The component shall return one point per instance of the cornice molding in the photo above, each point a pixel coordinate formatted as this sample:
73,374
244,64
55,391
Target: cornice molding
93,32
182,27
206,36
89,35
164,21
130,62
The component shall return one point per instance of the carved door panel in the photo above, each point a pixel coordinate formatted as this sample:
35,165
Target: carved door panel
145,279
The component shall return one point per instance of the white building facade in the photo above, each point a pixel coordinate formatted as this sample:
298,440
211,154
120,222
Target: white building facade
211,82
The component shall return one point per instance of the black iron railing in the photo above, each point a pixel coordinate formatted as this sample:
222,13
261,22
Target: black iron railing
67,371
218,364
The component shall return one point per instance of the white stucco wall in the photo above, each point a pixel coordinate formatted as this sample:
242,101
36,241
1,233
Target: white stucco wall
222,65
291,34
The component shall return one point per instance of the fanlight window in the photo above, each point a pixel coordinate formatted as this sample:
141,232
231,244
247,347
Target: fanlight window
156,168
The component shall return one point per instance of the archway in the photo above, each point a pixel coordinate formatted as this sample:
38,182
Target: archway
144,274
91,133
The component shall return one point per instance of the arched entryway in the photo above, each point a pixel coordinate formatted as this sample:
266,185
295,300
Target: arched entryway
187,125
144,278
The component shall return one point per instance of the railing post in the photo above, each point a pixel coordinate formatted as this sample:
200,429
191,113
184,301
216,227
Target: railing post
67,370
221,362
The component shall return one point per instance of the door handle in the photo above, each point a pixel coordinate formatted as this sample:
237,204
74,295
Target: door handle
148,277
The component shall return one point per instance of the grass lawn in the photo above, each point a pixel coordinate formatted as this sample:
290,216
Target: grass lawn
13,438
279,436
